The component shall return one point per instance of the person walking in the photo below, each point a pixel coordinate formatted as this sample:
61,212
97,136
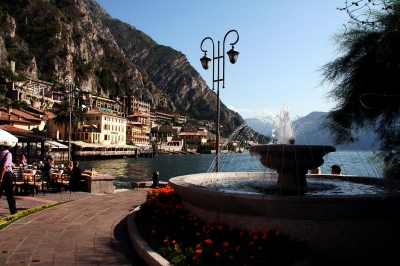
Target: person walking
6,175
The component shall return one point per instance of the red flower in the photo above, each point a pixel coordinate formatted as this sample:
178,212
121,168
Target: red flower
198,246
194,257
217,254
251,257
231,257
208,241
255,237
277,233
173,241
225,244
260,248
220,227
198,251
165,241
241,233
251,243
237,248
153,231
198,233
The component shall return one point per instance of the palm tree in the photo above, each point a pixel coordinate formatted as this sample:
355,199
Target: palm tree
62,117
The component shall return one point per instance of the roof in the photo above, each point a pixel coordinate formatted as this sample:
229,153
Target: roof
98,112
191,134
22,114
9,128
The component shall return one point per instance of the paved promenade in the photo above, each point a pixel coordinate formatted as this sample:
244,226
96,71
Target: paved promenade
91,230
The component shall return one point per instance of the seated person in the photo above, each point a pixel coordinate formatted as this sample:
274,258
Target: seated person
315,171
23,161
336,170
69,167
79,178
47,167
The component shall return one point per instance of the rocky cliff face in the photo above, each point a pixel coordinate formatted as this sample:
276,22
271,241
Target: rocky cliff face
78,41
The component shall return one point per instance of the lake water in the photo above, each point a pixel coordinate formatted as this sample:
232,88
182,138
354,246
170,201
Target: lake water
141,169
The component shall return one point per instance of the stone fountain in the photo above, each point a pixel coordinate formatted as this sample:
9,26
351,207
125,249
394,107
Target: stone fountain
349,226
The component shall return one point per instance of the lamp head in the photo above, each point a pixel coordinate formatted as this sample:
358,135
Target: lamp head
205,61
233,55
76,92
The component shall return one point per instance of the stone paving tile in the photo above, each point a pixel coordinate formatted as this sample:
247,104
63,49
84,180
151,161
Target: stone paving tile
88,231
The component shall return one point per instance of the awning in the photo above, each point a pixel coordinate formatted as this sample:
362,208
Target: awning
87,145
120,146
55,144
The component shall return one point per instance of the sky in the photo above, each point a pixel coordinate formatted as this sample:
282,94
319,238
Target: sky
282,46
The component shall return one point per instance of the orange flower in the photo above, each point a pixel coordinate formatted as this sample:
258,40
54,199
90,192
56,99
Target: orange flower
277,233
208,241
225,244
198,251
255,237
198,246
217,254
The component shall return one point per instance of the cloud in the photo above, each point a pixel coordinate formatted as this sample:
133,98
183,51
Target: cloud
272,112
244,110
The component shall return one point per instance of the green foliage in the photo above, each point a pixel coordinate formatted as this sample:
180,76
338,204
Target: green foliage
38,132
20,105
205,148
3,89
367,80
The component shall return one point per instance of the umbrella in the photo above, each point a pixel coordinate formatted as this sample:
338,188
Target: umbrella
5,136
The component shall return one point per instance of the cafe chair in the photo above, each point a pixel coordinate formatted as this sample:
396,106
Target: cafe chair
64,182
18,181
37,182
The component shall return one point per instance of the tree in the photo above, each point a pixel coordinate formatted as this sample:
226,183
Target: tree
62,117
366,78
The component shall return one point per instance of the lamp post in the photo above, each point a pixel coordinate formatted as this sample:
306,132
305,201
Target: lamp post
205,62
71,92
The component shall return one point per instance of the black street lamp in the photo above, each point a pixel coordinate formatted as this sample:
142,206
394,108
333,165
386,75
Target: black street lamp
205,62
71,93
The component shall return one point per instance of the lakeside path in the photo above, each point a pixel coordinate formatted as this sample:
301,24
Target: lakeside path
91,230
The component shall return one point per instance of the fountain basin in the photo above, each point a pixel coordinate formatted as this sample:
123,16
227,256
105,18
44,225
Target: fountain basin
343,226
291,162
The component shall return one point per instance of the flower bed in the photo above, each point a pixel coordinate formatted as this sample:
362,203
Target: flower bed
183,239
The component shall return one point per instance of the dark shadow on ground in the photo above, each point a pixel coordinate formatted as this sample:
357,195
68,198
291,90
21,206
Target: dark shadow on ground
123,244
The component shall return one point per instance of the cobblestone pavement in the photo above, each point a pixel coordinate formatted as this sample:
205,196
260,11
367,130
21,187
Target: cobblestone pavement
91,230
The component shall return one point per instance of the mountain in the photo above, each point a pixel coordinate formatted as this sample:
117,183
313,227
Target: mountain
78,40
310,130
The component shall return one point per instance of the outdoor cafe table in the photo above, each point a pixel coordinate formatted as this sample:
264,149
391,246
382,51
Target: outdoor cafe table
100,183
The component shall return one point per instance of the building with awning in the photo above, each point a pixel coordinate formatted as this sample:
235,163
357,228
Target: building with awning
85,150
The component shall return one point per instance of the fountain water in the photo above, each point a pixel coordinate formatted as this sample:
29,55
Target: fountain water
339,225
